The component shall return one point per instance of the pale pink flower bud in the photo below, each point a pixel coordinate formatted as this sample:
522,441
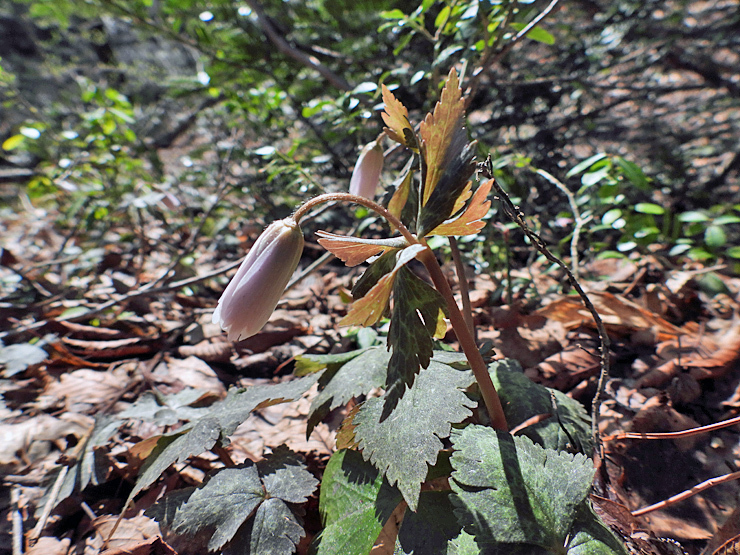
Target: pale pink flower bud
254,292
366,175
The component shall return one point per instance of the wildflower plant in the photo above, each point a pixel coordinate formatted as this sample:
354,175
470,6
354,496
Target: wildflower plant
434,448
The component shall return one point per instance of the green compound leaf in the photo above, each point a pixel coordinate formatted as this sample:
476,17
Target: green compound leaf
341,382
404,446
355,502
569,426
222,419
246,504
274,530
417,312
511,491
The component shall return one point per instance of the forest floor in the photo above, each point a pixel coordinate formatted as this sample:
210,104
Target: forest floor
98,345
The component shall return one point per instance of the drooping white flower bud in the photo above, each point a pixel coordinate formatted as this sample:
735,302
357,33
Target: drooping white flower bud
253,293
366,175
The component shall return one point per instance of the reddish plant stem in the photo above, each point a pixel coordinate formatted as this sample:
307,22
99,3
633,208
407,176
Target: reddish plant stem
477,364
464,336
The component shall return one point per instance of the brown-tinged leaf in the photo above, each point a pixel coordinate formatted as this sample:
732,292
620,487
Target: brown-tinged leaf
346,434
471,221
370,308
396,117
399,198
353,250
440,131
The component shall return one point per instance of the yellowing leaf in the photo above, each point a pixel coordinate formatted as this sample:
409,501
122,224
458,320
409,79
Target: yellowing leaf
398,201
463,198
442,133
396,117
370,308
471,221
350,250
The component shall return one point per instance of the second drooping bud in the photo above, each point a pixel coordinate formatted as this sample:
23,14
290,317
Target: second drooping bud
253,293
366,174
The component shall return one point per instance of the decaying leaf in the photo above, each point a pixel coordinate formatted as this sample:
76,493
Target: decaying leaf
442,134
471,221
396,117
355,250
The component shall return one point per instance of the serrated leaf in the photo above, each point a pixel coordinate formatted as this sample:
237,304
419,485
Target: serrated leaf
405,446
429,529
177,447
274,530
522,399
355,250
358,376
396,117
225,501
401,195
308,364
166,410
590,536
285,476
355,502
457,170
379,267
442,134
222,419
512,491
471,221
244,505
417,312
370,308
238,405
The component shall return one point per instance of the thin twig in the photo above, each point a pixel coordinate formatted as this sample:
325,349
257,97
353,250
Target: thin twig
490,58
17,518
579,221
140,292
518,217
688,493
283,46
674,435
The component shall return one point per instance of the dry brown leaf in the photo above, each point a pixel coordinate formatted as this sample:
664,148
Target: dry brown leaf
564,370
619,315
657,415
50,546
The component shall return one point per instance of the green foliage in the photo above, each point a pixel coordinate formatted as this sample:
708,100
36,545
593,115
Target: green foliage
421,420
355,503
517,497
248,505
611,192
567,429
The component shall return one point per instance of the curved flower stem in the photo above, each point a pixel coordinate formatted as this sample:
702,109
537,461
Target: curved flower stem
367,203
477,364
